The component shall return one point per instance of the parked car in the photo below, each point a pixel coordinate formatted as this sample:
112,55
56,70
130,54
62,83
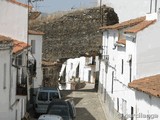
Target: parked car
44,96
63,108
72,108
50,117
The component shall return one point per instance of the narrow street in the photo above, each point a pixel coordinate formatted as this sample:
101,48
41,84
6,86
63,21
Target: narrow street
87,103
88,106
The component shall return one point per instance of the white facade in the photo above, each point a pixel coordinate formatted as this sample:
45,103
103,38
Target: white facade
14,20
148,57
37,53
7,97
12,106
137,59
14,24
79,69
129,9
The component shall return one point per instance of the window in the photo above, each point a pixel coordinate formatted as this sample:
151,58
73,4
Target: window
117,104
19,60
71,65
124,108
53,95
33,44
114,40
132,109
112,81
5,72
122,66
43,96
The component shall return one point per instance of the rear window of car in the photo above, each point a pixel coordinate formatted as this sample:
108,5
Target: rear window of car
59,110
53,95
43,96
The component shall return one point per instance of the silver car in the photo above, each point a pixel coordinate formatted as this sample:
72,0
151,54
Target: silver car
43,98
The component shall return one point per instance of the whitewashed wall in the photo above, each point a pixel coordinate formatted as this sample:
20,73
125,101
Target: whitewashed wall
71,68
145,62
6,87
38,56
148,47
147,105
120,81
14,20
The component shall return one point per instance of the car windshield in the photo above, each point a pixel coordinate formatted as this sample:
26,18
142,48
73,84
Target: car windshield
59,110
53,95
43,96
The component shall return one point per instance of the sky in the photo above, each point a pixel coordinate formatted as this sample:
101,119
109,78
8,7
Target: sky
50,6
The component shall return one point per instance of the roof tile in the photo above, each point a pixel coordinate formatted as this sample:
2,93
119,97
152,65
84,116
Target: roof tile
19,3
140,26
32,32
125,24
4,38
149,85
122,41
18,46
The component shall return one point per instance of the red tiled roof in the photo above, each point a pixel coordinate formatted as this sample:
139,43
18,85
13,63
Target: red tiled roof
125,24
4,38
149,85
140,26
122,42
32,32
19,3
18,46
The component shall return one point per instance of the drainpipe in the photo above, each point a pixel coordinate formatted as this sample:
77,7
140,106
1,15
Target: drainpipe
10,77
155,5
151,6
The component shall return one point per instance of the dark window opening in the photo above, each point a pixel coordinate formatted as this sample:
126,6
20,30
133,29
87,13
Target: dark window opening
132,112
122,66
43,96
117,104
112,81
33,44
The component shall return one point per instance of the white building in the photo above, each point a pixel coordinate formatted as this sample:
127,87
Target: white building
21,75
130,53
129,9
14,86
35,40
5,72
14,22
82,69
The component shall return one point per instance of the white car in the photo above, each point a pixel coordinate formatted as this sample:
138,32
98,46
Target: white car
50,117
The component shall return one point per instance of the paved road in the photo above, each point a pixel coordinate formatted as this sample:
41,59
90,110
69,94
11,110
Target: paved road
87,103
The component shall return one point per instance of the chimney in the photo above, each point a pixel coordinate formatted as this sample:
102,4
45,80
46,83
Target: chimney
151,16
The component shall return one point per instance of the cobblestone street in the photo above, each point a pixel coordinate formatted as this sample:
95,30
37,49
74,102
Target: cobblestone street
87,103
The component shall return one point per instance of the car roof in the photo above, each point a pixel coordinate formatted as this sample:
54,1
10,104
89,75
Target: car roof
49,117
47,88
58,102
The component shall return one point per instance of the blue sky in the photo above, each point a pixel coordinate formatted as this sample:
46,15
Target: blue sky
50,6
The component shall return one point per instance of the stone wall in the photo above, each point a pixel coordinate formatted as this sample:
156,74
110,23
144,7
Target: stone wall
75,33
71,35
